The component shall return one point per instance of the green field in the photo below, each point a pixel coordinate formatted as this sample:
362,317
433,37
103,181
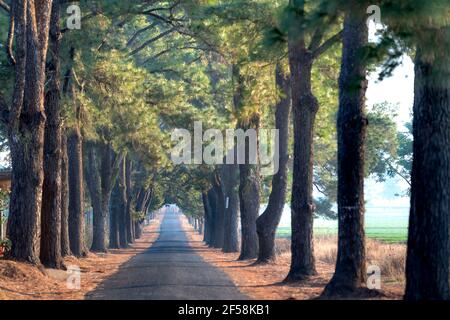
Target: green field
383,228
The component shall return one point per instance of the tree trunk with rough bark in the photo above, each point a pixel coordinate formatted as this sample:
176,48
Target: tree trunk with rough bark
129,191
249,200
65,243
200,226
427,263
76,193
122,218
102,177
267,223
141,204
114,217
99,243
212,200
249,176
230,181
305,107
207,214
220,212
93,183
50,253
26,128
350,274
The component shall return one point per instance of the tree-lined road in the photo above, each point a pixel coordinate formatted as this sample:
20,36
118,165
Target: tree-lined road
169,269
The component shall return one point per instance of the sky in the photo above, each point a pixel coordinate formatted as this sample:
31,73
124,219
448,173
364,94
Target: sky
397,90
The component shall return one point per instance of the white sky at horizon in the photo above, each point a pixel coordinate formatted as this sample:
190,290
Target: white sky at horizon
397,90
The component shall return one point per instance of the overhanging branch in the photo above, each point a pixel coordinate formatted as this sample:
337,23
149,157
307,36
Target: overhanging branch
5,6
327,44
146,43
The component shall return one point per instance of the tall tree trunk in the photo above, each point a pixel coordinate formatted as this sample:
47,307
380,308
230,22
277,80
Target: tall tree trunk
230,181
249,200
427,263
128,217
267,223
101,181
139,207
305,107
65,243
26,128
93,183
50,253
76,192
200,226
101,220
207,214
141,202
350,273
212,200
114,217
249,177
219,216
122,218
75,171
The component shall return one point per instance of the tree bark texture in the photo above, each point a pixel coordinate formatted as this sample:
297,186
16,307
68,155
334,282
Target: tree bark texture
50,253
267,223
230,181
26,128
350,273
427,263
76,193
65,243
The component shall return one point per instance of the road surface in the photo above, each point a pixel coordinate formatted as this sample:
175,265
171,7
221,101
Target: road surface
169,270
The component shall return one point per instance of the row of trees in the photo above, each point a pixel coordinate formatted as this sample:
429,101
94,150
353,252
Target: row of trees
78,119
305,32
94,108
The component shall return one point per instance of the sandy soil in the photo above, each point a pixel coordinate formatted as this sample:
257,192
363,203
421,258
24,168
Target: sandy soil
264,282
21,281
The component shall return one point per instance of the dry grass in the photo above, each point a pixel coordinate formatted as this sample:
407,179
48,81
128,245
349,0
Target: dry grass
265,282
21,281
390,258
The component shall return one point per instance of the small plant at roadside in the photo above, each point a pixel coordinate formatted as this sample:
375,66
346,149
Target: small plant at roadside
5,246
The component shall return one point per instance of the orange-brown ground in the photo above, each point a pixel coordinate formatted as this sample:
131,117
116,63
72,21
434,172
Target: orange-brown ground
264,282
21,281
25,282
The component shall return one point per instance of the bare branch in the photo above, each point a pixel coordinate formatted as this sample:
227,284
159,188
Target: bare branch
10,40
322,191
162,8
327,44
146,43
5,6
138,32
317,38
163,52
398,172
159,17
